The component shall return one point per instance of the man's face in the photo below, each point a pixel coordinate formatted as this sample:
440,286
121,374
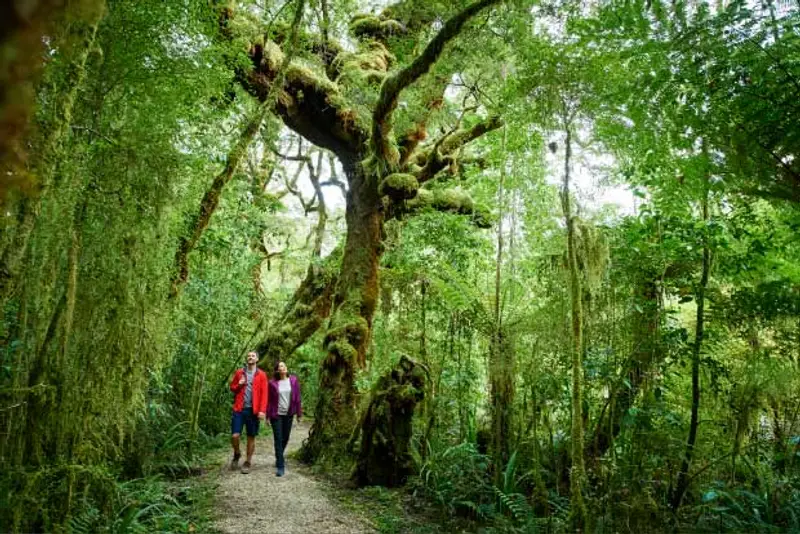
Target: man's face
252,358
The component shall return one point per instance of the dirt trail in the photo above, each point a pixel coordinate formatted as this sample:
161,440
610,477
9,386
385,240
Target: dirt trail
261,502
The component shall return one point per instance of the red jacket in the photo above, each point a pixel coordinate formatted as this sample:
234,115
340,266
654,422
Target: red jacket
259,391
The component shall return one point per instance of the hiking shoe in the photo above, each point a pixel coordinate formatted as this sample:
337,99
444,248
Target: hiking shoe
235,462
245,468
279,472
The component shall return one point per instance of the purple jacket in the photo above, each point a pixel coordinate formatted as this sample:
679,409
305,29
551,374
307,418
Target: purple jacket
295,406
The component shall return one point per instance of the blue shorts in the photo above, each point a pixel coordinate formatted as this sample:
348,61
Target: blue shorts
246,418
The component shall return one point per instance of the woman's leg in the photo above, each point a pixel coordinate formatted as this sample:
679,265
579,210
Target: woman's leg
278,440
286,431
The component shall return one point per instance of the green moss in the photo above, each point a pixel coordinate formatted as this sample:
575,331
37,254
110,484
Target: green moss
392,27
362,25
456,200
301,310
306,76
423,199
482,216
399,186
344,350
273,56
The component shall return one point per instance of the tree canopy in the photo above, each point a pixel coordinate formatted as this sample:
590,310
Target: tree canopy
406,202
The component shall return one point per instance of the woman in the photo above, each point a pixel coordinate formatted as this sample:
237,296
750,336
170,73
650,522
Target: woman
284,403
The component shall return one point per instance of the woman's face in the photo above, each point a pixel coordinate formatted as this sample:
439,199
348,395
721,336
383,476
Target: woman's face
282,368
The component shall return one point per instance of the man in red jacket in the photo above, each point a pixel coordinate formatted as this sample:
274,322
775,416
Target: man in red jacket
249,386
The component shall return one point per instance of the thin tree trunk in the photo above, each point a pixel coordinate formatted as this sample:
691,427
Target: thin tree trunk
501,371
237,153
577,473
211,200
642,359
683,475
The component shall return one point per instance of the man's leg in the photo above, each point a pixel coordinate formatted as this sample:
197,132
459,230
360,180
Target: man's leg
251,422
236,430
251,447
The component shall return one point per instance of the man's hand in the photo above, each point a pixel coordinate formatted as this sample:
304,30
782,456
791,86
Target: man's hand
262,416
242,381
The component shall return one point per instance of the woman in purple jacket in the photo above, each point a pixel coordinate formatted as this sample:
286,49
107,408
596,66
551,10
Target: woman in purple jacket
284,402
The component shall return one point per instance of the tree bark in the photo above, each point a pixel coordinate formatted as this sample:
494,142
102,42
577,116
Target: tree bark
384,455
578,473
501,359
348,335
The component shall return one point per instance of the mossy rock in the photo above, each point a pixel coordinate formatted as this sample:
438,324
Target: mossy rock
399,186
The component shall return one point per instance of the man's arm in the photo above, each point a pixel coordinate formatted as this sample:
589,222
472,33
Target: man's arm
264,400
236,382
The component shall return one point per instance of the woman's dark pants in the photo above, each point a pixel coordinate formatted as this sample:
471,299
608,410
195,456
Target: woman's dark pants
281,429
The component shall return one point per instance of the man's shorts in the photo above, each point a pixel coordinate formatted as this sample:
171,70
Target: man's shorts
246,418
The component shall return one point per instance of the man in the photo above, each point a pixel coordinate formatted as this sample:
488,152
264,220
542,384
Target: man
249,386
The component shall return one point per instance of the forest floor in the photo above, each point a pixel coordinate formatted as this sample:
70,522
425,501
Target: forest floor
262,502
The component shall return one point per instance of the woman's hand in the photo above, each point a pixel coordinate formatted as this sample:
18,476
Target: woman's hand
262,416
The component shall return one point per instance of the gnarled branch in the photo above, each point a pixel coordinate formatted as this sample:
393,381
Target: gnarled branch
392,87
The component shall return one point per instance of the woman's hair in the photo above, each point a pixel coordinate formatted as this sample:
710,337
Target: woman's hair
276,375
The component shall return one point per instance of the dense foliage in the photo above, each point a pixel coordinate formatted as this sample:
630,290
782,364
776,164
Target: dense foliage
419,187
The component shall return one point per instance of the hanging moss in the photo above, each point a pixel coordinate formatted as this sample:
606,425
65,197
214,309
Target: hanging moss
399,186
592,251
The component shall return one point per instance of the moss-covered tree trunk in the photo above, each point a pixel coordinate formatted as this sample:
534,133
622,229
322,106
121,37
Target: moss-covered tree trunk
577,473
348,334
16,240
311,103
643,358
309,308
384,454
501,356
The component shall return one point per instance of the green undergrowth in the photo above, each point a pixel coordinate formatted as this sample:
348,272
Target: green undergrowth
73,498
389,511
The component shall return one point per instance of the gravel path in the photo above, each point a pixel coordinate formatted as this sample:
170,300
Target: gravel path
261,502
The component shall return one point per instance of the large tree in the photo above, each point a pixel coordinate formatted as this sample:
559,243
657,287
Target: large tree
385,172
